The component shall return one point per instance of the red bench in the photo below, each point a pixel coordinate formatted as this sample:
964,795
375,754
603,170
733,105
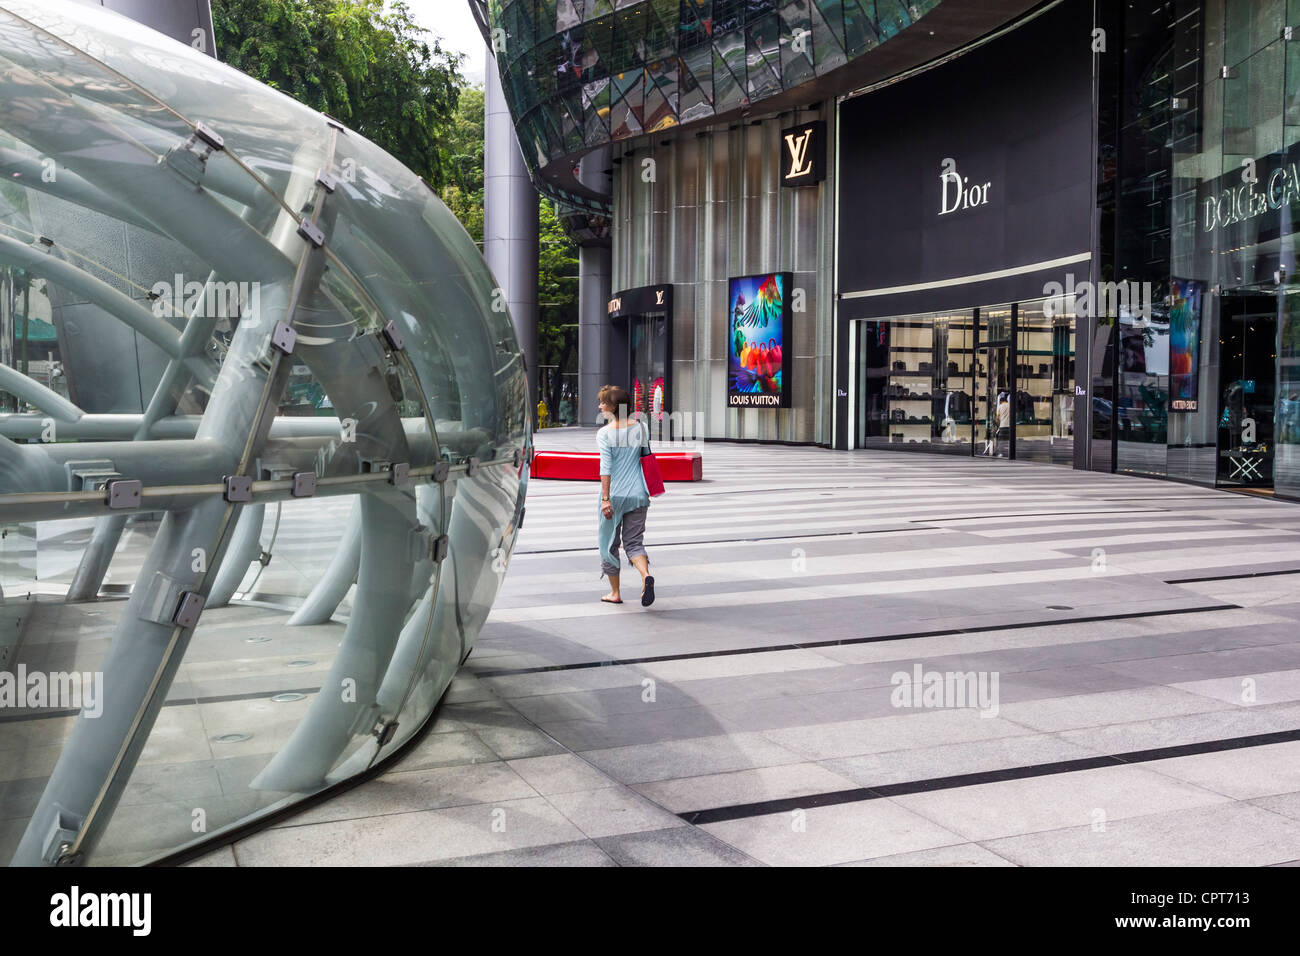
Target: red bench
585,465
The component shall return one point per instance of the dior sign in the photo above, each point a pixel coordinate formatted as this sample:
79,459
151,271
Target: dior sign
956,191
803,154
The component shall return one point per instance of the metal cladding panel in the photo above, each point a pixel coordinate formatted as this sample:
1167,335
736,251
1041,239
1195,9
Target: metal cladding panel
720,213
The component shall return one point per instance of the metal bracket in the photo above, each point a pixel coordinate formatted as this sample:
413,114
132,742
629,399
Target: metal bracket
124,492
62,835
311,232
284,338
90,474
189,609
400,474
440,471
384,731
393,335
373,465
211,137
439,548
264,558
239,488
332,122
1287,32
323,178
304,484
471,467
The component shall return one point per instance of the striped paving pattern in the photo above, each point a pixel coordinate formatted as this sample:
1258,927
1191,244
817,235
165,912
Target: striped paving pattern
1138,640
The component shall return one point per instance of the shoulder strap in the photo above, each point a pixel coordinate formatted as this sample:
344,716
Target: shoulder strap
645,442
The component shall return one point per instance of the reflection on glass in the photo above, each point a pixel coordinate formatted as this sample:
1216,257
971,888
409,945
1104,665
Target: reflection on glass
229,454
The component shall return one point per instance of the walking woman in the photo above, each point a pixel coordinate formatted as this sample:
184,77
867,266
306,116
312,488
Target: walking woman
624,499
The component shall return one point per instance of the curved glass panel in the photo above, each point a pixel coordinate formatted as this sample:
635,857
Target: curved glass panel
263,438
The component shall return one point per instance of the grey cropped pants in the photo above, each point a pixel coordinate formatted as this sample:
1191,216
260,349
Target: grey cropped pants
631,529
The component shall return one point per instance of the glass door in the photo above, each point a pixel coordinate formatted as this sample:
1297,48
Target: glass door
1247,373
647,342
994,403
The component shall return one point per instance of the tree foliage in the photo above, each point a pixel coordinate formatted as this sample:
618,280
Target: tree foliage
380,73
463,190
557,291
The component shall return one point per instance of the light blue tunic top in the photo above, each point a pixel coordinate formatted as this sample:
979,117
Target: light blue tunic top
620,458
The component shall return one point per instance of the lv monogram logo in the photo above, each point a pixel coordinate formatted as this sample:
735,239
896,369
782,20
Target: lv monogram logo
800,165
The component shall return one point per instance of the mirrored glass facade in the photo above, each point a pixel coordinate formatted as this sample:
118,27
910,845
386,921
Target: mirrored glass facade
583,73
263,445
1199,197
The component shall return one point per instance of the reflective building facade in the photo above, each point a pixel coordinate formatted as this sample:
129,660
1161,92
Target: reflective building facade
263,445
1058,231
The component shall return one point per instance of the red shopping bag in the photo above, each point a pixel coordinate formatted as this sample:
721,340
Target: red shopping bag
654,481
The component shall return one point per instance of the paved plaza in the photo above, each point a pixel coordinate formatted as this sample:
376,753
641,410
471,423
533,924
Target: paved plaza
866,658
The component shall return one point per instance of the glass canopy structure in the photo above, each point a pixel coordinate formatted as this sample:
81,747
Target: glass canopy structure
583,73
263,444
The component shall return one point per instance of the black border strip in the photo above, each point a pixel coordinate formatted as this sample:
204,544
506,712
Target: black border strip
743,811
844,642
1234,577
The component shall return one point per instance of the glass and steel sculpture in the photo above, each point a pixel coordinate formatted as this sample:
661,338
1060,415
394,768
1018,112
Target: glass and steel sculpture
263,444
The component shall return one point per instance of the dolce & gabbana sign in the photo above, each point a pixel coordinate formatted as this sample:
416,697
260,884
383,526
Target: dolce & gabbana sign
1242,214
1258,191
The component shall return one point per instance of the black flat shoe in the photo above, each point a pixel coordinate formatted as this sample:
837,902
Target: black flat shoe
648,592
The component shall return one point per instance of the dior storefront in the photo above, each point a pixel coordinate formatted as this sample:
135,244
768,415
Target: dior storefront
964,242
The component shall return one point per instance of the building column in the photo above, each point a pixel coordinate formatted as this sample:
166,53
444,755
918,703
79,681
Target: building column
595,268
510,243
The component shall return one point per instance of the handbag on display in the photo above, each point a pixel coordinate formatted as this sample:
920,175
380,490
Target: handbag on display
654,480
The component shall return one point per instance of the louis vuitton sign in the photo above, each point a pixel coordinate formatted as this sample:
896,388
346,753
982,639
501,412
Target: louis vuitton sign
803,154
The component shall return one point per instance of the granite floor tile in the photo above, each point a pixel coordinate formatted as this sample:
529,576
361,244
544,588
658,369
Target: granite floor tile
962,854
989,811
402,791
823,836
1228,834
579,853
743,786
560,773
1241,774
405,838
679,846
667,760
612,810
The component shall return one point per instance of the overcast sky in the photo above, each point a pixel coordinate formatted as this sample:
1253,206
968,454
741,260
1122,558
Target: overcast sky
452,21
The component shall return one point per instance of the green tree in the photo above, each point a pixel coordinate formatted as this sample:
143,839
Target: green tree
557,268
463,190
380,73
557,293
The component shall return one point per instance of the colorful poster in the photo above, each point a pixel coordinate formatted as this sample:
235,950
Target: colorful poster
758,340
1185,345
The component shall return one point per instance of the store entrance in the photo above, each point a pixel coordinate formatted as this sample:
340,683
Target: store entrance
644,348
994,418
1247,372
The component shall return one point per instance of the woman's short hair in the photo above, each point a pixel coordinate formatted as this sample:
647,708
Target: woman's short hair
617,398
